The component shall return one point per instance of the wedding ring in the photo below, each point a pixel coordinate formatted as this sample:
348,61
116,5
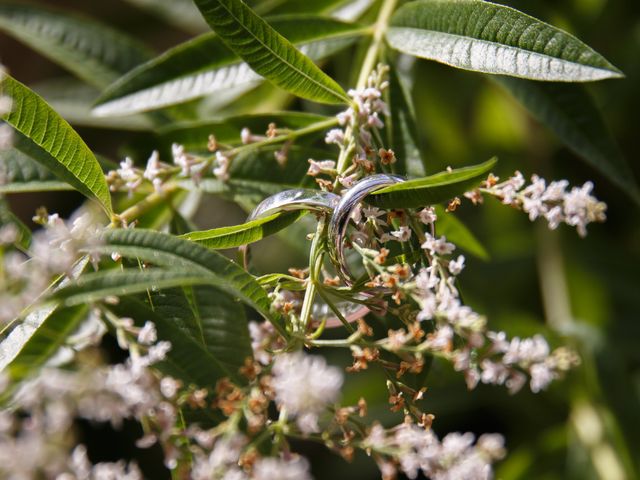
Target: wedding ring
342,214
295,199
289,200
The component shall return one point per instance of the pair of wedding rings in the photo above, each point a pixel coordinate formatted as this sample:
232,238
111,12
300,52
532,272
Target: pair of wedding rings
339,208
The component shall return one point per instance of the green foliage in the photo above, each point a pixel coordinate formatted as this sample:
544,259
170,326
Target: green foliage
267,52
432,189
237,235
62,150
206,65
486,37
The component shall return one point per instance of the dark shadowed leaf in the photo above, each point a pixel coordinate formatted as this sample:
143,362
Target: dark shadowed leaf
570,113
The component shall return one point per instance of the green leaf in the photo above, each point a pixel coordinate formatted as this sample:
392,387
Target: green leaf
237,235
179,254
96,286
194,135
457,232
94,52
491,38
431,190
213,319
267,52
570,113
67,156
188,360
35,340
205,65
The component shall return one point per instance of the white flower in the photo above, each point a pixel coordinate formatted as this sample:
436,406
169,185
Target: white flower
427,215
403,234
323,166
295,468
456,266
541,377
147,334
335,135
438,246
305,384
221,171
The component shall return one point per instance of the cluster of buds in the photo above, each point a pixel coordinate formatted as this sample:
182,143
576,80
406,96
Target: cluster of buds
575,207
357,136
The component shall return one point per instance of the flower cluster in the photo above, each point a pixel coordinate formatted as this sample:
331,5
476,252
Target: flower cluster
575,207
35,440
24,275
357,137
413,449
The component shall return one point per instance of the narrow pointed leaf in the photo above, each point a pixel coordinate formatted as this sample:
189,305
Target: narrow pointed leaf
96,286
431,190
94,52
176,253
205,65
267,52
487,37
237,235
570,113
68,157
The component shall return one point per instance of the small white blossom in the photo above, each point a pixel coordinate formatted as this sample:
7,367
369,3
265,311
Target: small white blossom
305,384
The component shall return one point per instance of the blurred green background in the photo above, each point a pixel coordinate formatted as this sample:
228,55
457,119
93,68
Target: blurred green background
580,292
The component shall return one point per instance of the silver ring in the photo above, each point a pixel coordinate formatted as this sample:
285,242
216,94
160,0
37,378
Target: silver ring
342,214
295,199
289,200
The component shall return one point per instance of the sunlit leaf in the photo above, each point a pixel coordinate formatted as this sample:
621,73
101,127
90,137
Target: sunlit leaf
67,156
569,112
491,38
432,189
268,52
206,65
94,52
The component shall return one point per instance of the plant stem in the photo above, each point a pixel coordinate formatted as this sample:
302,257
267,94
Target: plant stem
379,29
144,205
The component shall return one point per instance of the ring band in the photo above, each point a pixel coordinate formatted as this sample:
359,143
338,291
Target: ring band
295,199
342,214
